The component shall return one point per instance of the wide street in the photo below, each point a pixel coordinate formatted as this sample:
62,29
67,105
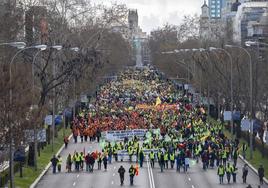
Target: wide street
196,177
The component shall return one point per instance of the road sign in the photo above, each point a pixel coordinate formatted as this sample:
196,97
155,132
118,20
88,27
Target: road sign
41,135
19,154
48,120
236,116
245,125
227,115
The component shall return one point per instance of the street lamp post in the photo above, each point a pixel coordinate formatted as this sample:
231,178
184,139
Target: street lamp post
74,49
18,45
11,164
212,49
58,48
251,95
35,129
253,43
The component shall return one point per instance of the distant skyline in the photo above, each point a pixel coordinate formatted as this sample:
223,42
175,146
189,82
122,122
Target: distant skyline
155,13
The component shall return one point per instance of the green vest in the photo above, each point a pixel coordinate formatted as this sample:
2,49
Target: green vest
166,157
77,158
224,155
221,171
59,161
172,157
151,155
228,169
132,171
130,150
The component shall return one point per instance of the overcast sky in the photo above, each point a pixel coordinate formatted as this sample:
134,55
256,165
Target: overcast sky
155,13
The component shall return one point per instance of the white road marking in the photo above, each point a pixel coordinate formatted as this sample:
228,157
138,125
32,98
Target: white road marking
74,183
150,173
112,182
152,176
189,179
77,176
150,180
113,174
192,186
114,167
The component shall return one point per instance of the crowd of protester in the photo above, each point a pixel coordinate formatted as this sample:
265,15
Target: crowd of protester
179,131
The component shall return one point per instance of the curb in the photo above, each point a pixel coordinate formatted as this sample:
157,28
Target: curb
253,168
33,185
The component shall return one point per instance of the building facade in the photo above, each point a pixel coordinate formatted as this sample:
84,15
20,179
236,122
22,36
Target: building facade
248,19
215,8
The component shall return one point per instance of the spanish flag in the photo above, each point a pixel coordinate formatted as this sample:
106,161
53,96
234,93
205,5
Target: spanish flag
137,169
158,101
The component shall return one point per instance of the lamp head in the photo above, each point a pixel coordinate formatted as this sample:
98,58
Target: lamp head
212,48
41,47
19,45
250,43
228,46
75,49
57,47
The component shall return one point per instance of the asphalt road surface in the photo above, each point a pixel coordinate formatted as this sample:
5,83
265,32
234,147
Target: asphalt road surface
196,177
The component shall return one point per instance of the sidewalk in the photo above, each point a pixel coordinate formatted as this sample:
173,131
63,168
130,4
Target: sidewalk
253,168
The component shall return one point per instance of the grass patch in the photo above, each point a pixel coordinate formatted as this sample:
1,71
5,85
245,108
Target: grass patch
29,174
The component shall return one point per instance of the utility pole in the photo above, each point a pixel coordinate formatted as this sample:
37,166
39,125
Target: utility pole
53,106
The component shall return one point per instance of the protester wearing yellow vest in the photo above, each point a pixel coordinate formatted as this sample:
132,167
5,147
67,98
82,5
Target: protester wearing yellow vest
221,172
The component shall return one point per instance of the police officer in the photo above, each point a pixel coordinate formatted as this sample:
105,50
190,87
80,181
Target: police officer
132,172
221,172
